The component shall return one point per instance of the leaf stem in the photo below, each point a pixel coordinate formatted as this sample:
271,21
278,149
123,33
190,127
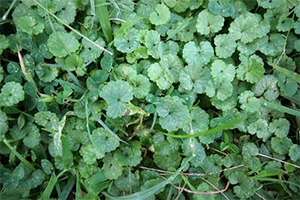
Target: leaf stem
28,164
265,156
9,9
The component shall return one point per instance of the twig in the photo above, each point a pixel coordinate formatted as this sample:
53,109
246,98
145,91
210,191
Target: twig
260,196
196,192
212,185
192,174
262,155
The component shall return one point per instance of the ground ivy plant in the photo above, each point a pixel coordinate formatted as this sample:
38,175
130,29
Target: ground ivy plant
149,99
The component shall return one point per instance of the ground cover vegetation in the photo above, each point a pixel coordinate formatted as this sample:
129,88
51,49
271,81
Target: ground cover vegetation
149,99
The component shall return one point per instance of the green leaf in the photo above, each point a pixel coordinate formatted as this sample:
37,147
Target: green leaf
90,51
46,166
225,45
250,149
155,73
248,102
90,154
260,128
30,25
11,94
245,27
281,145
200,55
128,181
33,137
266,87
128,42
251,70
129,155
219,70
280,127
116,94
192,147
111,168
3,124
141,86
199,121
62,44
178,5
104,140
4,43
194,77
272,45
161,15
47,119
294,152
172,113
209,23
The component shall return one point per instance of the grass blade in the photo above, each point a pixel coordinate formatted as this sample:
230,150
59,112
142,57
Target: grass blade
212,130
278,181
71,85
116,125
78,195
150,191
67,189
268,172
23,160
185,23
126,25
103,17
287,73
104,125
46,194
280,108
23,68
75,31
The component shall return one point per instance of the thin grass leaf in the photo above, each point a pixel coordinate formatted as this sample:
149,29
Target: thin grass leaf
185,23
126,25
277,181
115,125
23,68
93,10
150,191
103,17
292,99
9,9
73,77
154,121
74,30
212,130
21,158
96,190
78,195
67,189
279,108
71,85
287,73
104,125
268,172
46,194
